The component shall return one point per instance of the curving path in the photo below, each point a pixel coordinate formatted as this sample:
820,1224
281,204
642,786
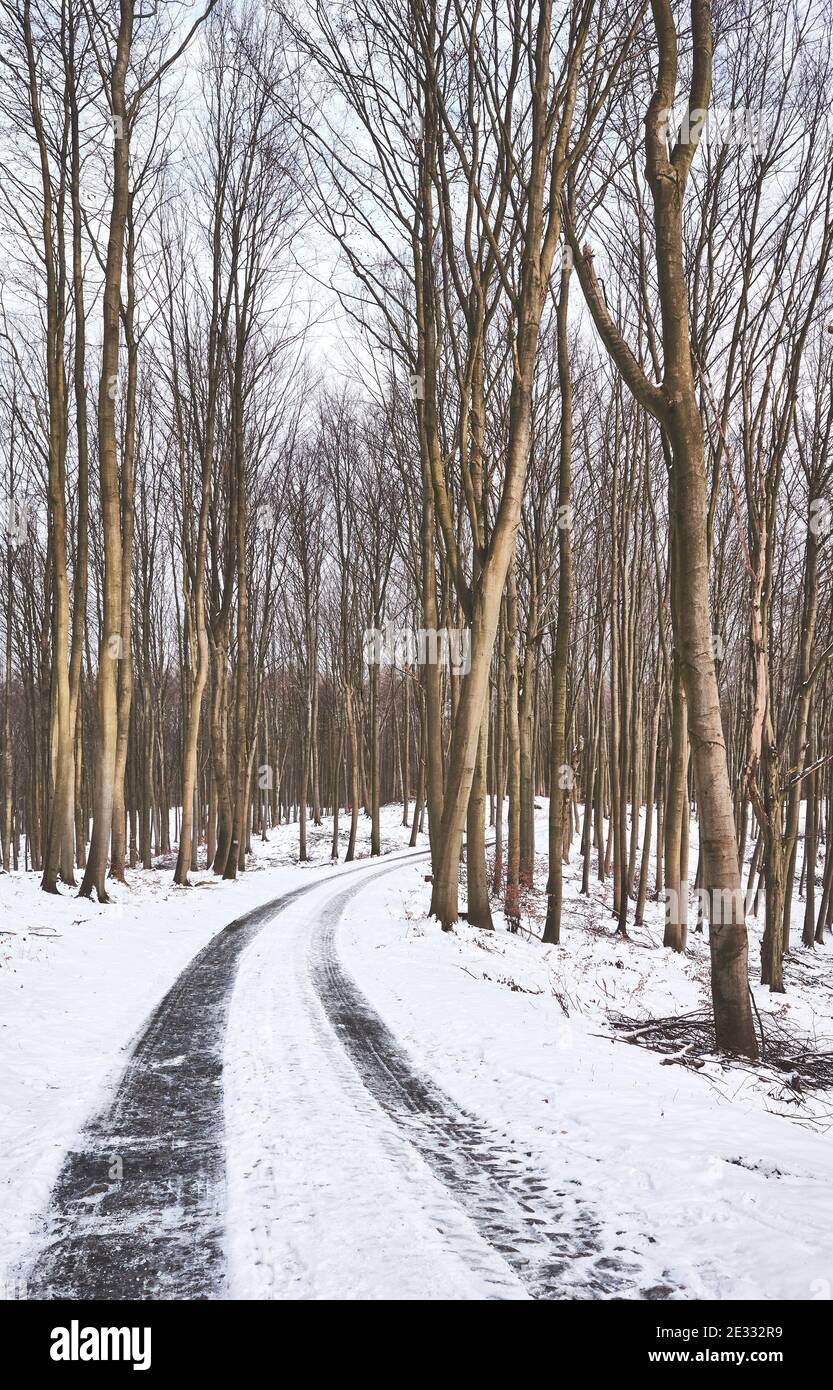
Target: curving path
139,1209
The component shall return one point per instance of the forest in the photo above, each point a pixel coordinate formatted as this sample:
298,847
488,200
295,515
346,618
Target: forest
426,406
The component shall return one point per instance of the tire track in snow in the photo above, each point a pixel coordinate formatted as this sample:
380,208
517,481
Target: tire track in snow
138,1209
548,1237
328,1198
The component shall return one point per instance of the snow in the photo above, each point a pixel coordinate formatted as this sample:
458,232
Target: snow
718,1186
77,982
326,1200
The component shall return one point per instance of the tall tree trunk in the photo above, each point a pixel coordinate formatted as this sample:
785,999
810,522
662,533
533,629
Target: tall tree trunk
125,667
561,774
477,889
674,404
111,647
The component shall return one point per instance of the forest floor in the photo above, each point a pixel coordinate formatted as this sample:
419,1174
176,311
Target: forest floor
404,1112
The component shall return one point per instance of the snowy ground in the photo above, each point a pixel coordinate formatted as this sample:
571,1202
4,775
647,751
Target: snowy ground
77,981
714,1184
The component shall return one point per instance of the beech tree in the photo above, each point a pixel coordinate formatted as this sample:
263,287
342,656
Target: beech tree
675,406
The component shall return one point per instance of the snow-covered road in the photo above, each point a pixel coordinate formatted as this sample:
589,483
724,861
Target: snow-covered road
138,1209
314,1160
351,1172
